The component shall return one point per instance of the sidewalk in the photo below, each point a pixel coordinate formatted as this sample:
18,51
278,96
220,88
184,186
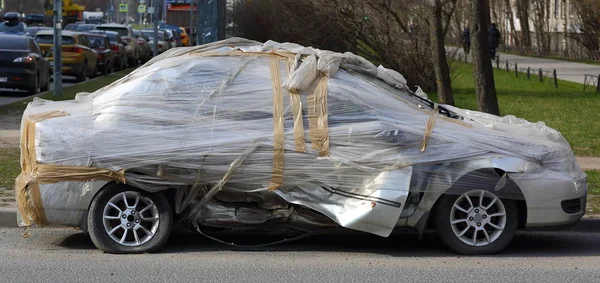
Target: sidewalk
565,70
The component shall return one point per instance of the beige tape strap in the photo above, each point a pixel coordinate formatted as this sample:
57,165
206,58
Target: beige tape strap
429,127
278,127
318,127
48,173
296,101
277,54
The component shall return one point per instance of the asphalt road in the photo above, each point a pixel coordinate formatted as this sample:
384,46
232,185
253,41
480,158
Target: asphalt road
8,96
65,255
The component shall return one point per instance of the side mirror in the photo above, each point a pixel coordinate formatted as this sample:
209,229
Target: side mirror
124,44
46,53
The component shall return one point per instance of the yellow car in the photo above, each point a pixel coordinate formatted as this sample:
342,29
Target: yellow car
78,57
185,39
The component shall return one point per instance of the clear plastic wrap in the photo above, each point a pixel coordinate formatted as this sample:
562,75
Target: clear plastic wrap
235,115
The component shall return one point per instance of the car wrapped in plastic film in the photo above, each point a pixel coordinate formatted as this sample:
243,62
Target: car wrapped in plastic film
243,136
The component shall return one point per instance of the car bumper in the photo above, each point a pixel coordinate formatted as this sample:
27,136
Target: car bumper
553,199
69,69
16,78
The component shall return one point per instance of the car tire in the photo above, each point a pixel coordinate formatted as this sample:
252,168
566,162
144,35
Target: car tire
95,71
82,76
46,87
451,221
127,221
33,89
106,69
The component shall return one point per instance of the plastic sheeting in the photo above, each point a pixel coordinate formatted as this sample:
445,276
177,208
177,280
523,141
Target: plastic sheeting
181,121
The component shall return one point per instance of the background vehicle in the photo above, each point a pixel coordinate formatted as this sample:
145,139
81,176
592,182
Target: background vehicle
12,24
145,48
32,31
71,11
185,39
34,19
93,17
106,57
81,27
78,57
175,31
162,45
118,46
172,38
22,65
132,48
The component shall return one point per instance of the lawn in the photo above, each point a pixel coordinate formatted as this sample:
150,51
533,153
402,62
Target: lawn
566,108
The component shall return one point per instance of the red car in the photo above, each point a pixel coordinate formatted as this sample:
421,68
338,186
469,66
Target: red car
106,56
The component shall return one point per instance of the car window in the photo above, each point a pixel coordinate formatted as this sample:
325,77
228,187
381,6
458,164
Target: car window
13,27
85,27
49,39
33,47
13,43
119,30
97,40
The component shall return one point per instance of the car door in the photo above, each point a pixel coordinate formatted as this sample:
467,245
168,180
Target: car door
91,55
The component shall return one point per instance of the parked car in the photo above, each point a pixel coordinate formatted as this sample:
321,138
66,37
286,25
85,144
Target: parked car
117,45
145,49
106,56
22,65
161,44
172,39
12,24
185,39
32,31
34,19
80,27
212,140
78,57
132,48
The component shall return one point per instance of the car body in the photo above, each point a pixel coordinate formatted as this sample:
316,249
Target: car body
185,38
22,65
118,46
172,38
35,19
32,31
145,48
78,57
161,44
80,27
132,47
13,24
106,56
217,137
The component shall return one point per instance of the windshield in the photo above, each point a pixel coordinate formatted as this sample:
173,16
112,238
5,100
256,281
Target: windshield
96,40
12,27
85,27
49,39
150,34
121,31
14,43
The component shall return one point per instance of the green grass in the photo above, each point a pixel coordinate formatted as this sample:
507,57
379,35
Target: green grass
567,108
593,203
9,170
17,108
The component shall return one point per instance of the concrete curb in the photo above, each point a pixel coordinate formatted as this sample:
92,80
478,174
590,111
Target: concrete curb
8,217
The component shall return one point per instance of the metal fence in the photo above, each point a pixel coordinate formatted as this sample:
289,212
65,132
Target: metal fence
572,54
591,82
541,75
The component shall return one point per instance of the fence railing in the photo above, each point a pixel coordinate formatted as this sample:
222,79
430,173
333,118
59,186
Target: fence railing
591,82
572,54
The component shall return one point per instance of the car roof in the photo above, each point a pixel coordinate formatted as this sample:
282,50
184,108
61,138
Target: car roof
96,34
64,32
113,25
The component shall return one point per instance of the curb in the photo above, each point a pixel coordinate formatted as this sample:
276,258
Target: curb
8,217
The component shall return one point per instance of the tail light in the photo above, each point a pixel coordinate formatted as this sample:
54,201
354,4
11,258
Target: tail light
183,36
139,41
114,47
100,56
72,49
26,59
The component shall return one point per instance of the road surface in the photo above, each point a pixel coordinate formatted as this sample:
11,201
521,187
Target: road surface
65,255
8,96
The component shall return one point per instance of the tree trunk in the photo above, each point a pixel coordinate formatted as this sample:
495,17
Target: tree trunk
523,12
440,64
510,16
483,74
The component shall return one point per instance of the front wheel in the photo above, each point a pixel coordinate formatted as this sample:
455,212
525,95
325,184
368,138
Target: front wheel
475,223
124,220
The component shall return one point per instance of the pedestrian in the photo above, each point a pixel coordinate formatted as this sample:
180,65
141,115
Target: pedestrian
466,40
493,39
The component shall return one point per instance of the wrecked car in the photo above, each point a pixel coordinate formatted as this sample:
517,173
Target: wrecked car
273,137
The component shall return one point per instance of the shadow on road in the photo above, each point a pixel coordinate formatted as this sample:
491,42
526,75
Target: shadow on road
584,240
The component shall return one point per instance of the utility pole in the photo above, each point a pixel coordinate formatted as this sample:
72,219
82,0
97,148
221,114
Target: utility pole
57,47
191,22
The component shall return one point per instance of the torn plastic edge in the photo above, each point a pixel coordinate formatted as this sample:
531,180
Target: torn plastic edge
429,127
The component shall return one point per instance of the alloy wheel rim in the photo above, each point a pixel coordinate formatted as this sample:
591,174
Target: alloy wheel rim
130,219
478,218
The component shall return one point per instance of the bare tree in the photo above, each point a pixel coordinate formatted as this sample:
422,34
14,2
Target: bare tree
523,14
541,13
483,73
588,14
440,63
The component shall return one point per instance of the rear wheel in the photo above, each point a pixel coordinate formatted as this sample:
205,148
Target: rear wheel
106,68
124,220
82,75
47,85
34,88
476,222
